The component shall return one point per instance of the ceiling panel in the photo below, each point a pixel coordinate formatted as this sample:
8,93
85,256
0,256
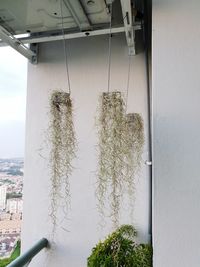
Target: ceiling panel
51,20
20,16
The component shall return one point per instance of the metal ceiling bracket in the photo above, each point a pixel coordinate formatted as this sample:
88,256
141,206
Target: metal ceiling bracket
128,25
34,48
67,36
131,51
16,44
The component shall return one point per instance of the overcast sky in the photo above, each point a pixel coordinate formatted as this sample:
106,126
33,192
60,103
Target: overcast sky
13,78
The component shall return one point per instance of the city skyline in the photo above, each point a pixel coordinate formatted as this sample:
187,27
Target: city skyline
11,205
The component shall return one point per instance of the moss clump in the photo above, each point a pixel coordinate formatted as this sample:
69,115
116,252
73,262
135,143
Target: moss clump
63,148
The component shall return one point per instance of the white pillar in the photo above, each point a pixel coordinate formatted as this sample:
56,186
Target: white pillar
176,126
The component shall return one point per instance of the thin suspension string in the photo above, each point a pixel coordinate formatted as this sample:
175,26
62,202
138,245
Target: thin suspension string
109,48
128,82
64,46
128,77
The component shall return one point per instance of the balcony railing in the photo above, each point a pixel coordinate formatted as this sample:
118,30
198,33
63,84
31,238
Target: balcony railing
25,259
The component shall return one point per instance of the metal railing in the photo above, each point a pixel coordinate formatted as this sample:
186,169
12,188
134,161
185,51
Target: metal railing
25,259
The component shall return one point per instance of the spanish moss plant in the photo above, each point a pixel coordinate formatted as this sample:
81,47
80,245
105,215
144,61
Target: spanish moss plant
63,147
120,249
135,142
121,139
112,137
135,125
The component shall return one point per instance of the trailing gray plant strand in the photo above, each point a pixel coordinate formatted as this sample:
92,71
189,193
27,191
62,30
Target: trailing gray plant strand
63,148
111,153
135,142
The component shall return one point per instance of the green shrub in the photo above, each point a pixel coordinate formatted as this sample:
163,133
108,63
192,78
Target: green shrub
15,254
120,250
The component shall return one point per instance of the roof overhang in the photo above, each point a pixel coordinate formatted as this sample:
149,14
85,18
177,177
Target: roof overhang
51,20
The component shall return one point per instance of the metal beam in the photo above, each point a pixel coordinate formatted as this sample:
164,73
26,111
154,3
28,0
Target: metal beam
78,14
128,25
42,39
16,44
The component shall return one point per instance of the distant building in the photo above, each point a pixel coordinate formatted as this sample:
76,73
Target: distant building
4,216
3,191
14,205
16,216
10,227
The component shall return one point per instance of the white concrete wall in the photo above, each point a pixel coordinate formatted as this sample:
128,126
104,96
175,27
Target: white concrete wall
88,74
176,109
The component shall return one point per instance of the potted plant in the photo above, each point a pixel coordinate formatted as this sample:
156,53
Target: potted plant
120,249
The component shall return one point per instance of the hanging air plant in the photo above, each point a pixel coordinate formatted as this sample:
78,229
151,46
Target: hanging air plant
63,147
112,137
121,139
135,142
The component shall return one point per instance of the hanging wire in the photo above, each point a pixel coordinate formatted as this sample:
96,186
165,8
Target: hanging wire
109,47
128,81
64,46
